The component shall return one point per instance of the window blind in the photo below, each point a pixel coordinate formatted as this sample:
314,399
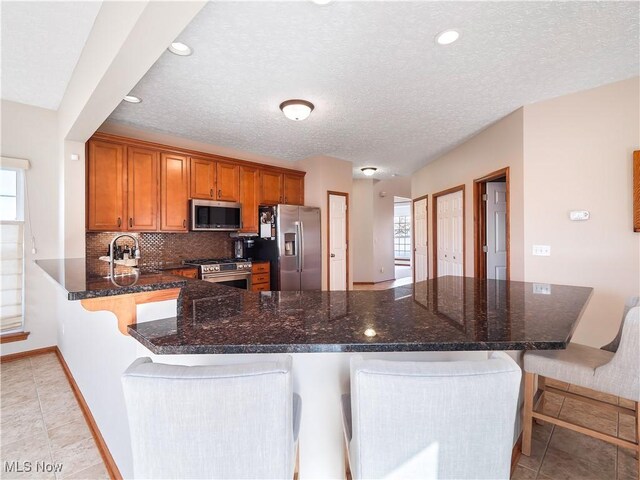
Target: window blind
11,275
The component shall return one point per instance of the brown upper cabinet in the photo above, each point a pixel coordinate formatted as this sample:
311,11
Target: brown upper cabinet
105,186
228,176
249,191
203,178
293,189
270,187
142,189
174,192
134,185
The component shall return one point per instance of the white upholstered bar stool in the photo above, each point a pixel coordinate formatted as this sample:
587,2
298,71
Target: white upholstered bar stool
427,420
214,422
614,369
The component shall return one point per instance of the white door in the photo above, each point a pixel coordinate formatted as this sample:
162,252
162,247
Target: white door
337,242
497,230
420,251
450,230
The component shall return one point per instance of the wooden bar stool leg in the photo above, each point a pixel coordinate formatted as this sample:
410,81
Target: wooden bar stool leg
543,398
527,421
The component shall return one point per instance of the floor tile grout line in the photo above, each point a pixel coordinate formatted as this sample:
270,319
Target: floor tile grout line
46,430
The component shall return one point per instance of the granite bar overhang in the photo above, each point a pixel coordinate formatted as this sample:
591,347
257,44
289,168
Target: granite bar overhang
443,314
71,274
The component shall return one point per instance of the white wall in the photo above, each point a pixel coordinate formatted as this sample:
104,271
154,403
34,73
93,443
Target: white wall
31,133
362,230
578,156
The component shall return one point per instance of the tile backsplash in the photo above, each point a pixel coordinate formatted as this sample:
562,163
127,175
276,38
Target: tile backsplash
158,249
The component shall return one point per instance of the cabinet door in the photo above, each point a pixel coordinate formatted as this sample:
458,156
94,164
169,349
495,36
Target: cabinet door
142,189
228,181
203,178
249,182
174,192
293,189
106,184
270,187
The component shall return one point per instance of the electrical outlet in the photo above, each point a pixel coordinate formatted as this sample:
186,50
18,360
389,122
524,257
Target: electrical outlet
381,269
541,250
542,289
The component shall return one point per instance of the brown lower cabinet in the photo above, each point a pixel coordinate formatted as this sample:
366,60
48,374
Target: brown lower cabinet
183,272
260,276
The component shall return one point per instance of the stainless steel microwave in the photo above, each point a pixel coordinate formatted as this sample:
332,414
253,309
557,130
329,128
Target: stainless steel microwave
208,215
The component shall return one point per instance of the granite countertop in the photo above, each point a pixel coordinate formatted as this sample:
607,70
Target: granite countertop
71,274
448,313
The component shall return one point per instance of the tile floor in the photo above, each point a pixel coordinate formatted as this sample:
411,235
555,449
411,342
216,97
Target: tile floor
41,421
558,453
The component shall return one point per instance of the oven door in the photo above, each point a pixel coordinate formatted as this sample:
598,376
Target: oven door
230,279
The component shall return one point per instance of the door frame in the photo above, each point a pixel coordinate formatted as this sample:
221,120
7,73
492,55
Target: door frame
346,195
480,222
434,224
413,234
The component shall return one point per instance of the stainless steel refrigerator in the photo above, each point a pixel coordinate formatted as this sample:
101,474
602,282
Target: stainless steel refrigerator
290,239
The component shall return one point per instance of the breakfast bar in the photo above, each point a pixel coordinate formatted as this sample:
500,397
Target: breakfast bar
447,318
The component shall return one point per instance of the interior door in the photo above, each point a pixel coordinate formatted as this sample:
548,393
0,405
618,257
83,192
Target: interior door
450,234
288,226
311,252
420,250
337,242
497,230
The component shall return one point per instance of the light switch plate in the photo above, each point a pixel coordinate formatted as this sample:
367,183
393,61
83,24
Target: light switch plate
541,250
542,289
579,215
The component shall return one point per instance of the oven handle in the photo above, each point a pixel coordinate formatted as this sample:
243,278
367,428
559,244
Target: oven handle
216,277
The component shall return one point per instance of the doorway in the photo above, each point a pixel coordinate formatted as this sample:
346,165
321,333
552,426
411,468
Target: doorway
449,232
402,227
420,239
337,241
492,225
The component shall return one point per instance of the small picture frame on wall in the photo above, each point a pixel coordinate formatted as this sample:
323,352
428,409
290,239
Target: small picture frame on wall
636,191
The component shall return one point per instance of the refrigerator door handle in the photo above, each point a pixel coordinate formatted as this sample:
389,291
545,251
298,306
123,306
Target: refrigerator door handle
298,241
301,249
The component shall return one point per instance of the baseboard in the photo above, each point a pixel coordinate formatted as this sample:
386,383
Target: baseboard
364,283
29,353
110,464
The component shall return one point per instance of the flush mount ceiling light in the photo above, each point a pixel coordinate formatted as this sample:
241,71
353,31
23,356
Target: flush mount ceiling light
447,37
321,2
132,99
368,171
296,109
180,49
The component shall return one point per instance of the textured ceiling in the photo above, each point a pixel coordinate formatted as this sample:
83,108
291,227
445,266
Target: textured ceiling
385,93
41,44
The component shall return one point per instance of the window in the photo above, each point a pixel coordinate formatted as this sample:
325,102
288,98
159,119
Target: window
11,248
402,237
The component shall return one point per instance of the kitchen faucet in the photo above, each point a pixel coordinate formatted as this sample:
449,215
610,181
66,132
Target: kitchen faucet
112,249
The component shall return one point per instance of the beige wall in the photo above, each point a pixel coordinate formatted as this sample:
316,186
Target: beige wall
327,174
498,146
373,227
578,156
31,133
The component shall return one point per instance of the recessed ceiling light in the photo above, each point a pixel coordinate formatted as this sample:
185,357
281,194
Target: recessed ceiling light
321,2
180,49
296,109
368,171
447,37
132,99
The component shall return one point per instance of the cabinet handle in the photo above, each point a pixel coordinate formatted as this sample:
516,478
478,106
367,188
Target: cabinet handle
220,193
184,223
211,193
285,199
130,222
119,221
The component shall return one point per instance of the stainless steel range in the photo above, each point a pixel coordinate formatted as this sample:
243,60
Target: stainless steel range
234,272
